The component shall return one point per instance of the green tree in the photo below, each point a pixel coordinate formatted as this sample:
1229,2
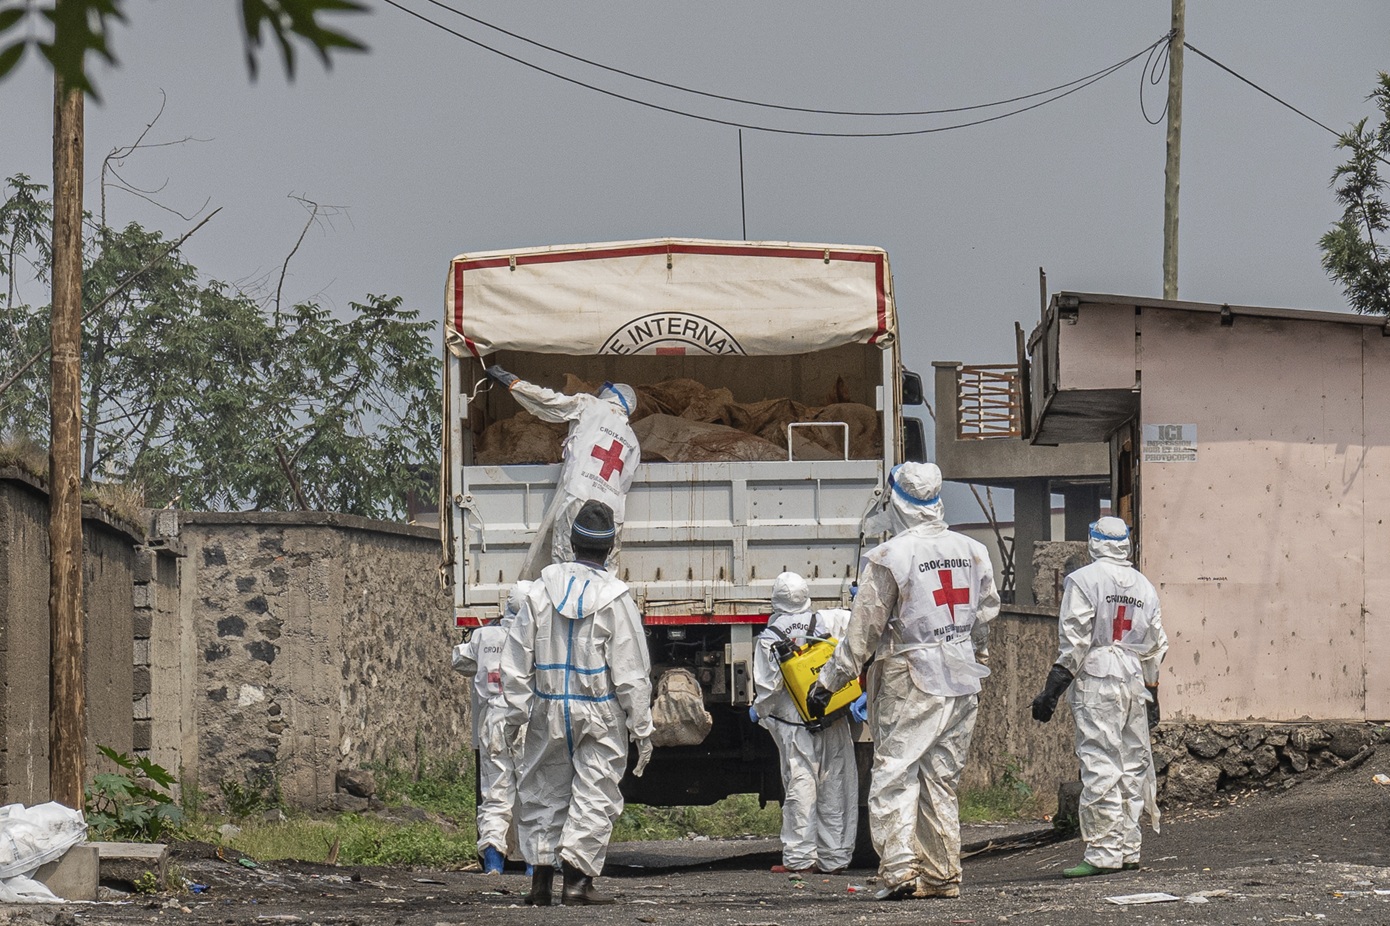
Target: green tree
80,28
195,392
1356,252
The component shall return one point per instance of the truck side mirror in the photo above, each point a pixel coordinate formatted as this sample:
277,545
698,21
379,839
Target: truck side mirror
912,389
914,441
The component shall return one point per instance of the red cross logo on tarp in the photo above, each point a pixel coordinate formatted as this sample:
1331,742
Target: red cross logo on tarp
948,594
612,459
1121,624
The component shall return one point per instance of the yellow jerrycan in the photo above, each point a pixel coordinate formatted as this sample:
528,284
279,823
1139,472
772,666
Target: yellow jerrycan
802,664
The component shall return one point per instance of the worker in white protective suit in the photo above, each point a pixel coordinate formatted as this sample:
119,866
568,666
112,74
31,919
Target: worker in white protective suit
1112,644
577,676
926,597
480,658
601,454
820,809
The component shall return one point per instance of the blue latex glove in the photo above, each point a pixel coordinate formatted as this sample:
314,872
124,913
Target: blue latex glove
752,713
859,710
496,372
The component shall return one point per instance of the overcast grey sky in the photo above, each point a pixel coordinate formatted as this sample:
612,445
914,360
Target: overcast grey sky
435,147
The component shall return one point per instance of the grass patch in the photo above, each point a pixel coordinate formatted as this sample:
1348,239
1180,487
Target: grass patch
1011,798
361,840
439,784
736,815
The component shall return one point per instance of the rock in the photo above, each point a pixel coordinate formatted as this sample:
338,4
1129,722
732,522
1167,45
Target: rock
357,782
229,831
1068,816
1278,738
1347,739
1228,731
1298,759
1189,781
1265,760
1251,737
1234,763
273,815
1307,737
1164,755
1205,744
348,803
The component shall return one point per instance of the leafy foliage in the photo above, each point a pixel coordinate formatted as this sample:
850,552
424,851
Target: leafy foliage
200,396
80,28
260,793
134,805
1356,252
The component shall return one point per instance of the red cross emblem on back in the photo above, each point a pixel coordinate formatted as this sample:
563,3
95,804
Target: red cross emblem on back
948,594
1121,624
612,459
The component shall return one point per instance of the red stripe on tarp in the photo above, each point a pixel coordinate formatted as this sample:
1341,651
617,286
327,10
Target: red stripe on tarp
882,295
458,311
675,619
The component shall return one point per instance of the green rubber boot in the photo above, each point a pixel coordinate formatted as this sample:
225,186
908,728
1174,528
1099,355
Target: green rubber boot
1087,870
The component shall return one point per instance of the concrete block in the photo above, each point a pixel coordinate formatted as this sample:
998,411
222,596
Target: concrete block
141,735
143,624
140,653
144,565
140,708
74,876
142,596
140,681
126,862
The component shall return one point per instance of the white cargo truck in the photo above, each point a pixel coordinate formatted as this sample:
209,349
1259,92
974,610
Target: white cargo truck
770,411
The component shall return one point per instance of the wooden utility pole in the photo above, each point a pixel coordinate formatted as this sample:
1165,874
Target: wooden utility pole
1170,174
67,690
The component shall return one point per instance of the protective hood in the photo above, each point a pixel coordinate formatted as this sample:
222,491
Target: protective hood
1109,539
914,496
790,594
621,395
574,590
515,598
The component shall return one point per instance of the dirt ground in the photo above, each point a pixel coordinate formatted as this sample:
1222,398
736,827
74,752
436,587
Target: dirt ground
1316,852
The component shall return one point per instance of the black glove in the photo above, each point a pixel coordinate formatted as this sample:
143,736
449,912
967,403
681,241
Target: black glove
1153,706
500,375
1046,703
818,699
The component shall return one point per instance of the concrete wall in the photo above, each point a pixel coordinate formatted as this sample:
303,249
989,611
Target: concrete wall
1007,741
109,653
1267,549
321,642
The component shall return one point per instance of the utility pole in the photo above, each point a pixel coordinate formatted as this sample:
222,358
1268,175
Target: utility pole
1170,173
67,690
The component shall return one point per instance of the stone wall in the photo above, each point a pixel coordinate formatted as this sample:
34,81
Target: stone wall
1008,742
322,642
1194,761
109,651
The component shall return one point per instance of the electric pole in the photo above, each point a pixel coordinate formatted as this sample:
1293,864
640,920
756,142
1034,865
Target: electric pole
1170,174
67,689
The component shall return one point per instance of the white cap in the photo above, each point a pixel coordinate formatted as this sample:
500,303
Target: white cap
1109,539
916,493
620,394
790,594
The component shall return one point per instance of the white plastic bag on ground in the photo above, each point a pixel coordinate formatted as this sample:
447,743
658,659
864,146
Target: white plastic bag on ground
31,837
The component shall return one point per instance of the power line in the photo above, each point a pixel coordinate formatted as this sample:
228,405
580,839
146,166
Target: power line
1198,51
779,106
1098,76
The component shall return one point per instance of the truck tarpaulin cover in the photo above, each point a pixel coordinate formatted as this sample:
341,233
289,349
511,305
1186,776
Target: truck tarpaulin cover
669,296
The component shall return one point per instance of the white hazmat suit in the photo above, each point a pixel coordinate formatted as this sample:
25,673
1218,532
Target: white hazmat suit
575,668
925,599
820,809
601,454
480,657
1112,641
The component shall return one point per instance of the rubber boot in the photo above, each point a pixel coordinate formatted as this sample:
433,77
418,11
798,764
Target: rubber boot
540,893
493,861
579,888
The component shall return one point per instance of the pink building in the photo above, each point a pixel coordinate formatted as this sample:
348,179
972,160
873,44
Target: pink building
1250,450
